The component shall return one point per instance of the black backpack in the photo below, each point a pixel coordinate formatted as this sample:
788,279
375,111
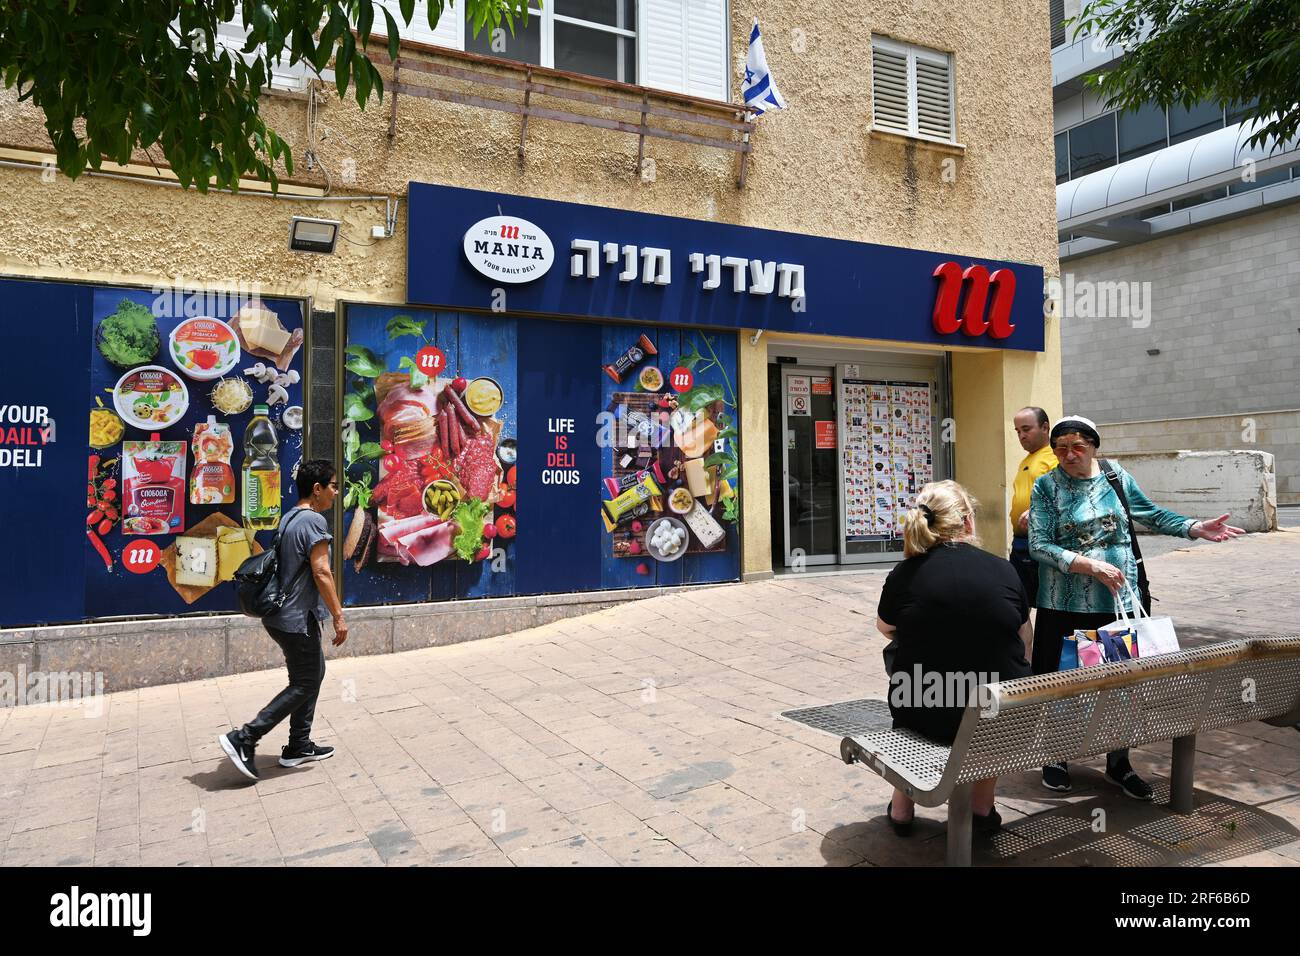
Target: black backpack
257,580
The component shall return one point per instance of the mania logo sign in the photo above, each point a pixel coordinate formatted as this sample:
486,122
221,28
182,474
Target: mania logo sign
507,249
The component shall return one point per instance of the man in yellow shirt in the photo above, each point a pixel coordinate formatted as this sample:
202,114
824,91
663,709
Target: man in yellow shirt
1032,429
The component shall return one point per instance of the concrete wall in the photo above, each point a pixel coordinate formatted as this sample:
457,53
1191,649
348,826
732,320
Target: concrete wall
1223,307
1223,302
1206,484
1277,433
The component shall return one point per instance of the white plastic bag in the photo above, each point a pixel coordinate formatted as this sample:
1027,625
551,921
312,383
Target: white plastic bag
1155,635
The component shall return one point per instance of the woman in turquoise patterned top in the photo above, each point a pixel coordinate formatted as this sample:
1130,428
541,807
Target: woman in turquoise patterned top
1080,536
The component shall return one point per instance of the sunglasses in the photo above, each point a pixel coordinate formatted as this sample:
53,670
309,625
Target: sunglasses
1078,448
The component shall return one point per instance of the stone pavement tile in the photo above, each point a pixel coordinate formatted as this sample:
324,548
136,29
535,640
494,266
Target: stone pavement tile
230,792
875,841
1259,755
626,839
257,850
757,829
681,830
397,846
1229,779
575,851
565,791
188,851
480,797
714,805
43,809
808,848
714,852
315,831
125,855
272,778
302,800
460,765
358,853
236,825
118,836
492,857
460,842
68,844
514,823
74,771
740,738
56,753
170,826
412,721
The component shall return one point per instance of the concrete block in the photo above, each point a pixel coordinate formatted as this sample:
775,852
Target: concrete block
1208,483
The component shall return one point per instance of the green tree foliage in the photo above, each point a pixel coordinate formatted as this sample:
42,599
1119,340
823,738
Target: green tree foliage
1229,52
113,76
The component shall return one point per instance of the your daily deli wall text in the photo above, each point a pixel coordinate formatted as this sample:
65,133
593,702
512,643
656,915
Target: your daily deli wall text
129,481
489,455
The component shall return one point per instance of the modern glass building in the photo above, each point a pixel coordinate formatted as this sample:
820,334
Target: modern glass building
1180,253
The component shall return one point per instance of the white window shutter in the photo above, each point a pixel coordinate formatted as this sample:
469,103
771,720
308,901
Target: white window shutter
232,36
934,98
449,33
889,89
661,50
706,49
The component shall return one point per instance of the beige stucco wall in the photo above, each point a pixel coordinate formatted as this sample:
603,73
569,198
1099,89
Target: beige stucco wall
815,169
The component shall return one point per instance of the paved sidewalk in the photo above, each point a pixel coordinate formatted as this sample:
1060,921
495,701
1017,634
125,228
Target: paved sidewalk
644,734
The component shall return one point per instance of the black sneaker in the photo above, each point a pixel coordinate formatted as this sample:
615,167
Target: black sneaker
991,822
1126,779
1056,776
293,756
240,753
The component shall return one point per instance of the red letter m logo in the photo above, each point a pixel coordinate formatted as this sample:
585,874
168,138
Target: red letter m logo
509,232
974,282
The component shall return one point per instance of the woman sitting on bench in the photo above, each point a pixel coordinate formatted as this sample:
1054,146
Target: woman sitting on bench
958,618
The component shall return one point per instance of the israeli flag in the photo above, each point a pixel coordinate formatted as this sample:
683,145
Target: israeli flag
758,88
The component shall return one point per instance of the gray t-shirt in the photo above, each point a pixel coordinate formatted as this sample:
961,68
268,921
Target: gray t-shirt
302,530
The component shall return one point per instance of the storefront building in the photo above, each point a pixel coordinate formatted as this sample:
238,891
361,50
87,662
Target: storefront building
623,362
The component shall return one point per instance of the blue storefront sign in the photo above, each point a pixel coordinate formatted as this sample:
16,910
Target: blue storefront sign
485,251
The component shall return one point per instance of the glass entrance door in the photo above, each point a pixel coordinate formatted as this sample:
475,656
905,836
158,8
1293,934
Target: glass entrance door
809,466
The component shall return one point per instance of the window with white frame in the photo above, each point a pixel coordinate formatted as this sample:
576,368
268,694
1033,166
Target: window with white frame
674,45
595,37
912,90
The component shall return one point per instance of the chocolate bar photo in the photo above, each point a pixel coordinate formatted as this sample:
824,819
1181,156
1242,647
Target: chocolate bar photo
630,359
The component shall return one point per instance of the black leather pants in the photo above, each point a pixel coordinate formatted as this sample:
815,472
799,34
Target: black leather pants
305,658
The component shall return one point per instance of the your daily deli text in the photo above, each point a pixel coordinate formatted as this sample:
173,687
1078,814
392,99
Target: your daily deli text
24,431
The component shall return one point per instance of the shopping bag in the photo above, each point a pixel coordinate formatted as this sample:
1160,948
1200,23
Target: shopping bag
1091,651
1116,646
1069,653
1120,640
1155,635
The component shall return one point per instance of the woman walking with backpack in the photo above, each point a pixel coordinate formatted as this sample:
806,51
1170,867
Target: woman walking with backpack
306,579
1080,532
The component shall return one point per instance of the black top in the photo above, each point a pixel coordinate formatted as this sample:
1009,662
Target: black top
957,611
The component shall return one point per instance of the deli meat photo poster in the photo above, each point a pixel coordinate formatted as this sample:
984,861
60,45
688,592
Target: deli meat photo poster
492,455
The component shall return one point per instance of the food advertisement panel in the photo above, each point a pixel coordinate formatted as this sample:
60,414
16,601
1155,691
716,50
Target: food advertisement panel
488,455
185,478
127,461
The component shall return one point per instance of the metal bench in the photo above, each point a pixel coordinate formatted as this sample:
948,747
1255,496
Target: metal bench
1032,721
